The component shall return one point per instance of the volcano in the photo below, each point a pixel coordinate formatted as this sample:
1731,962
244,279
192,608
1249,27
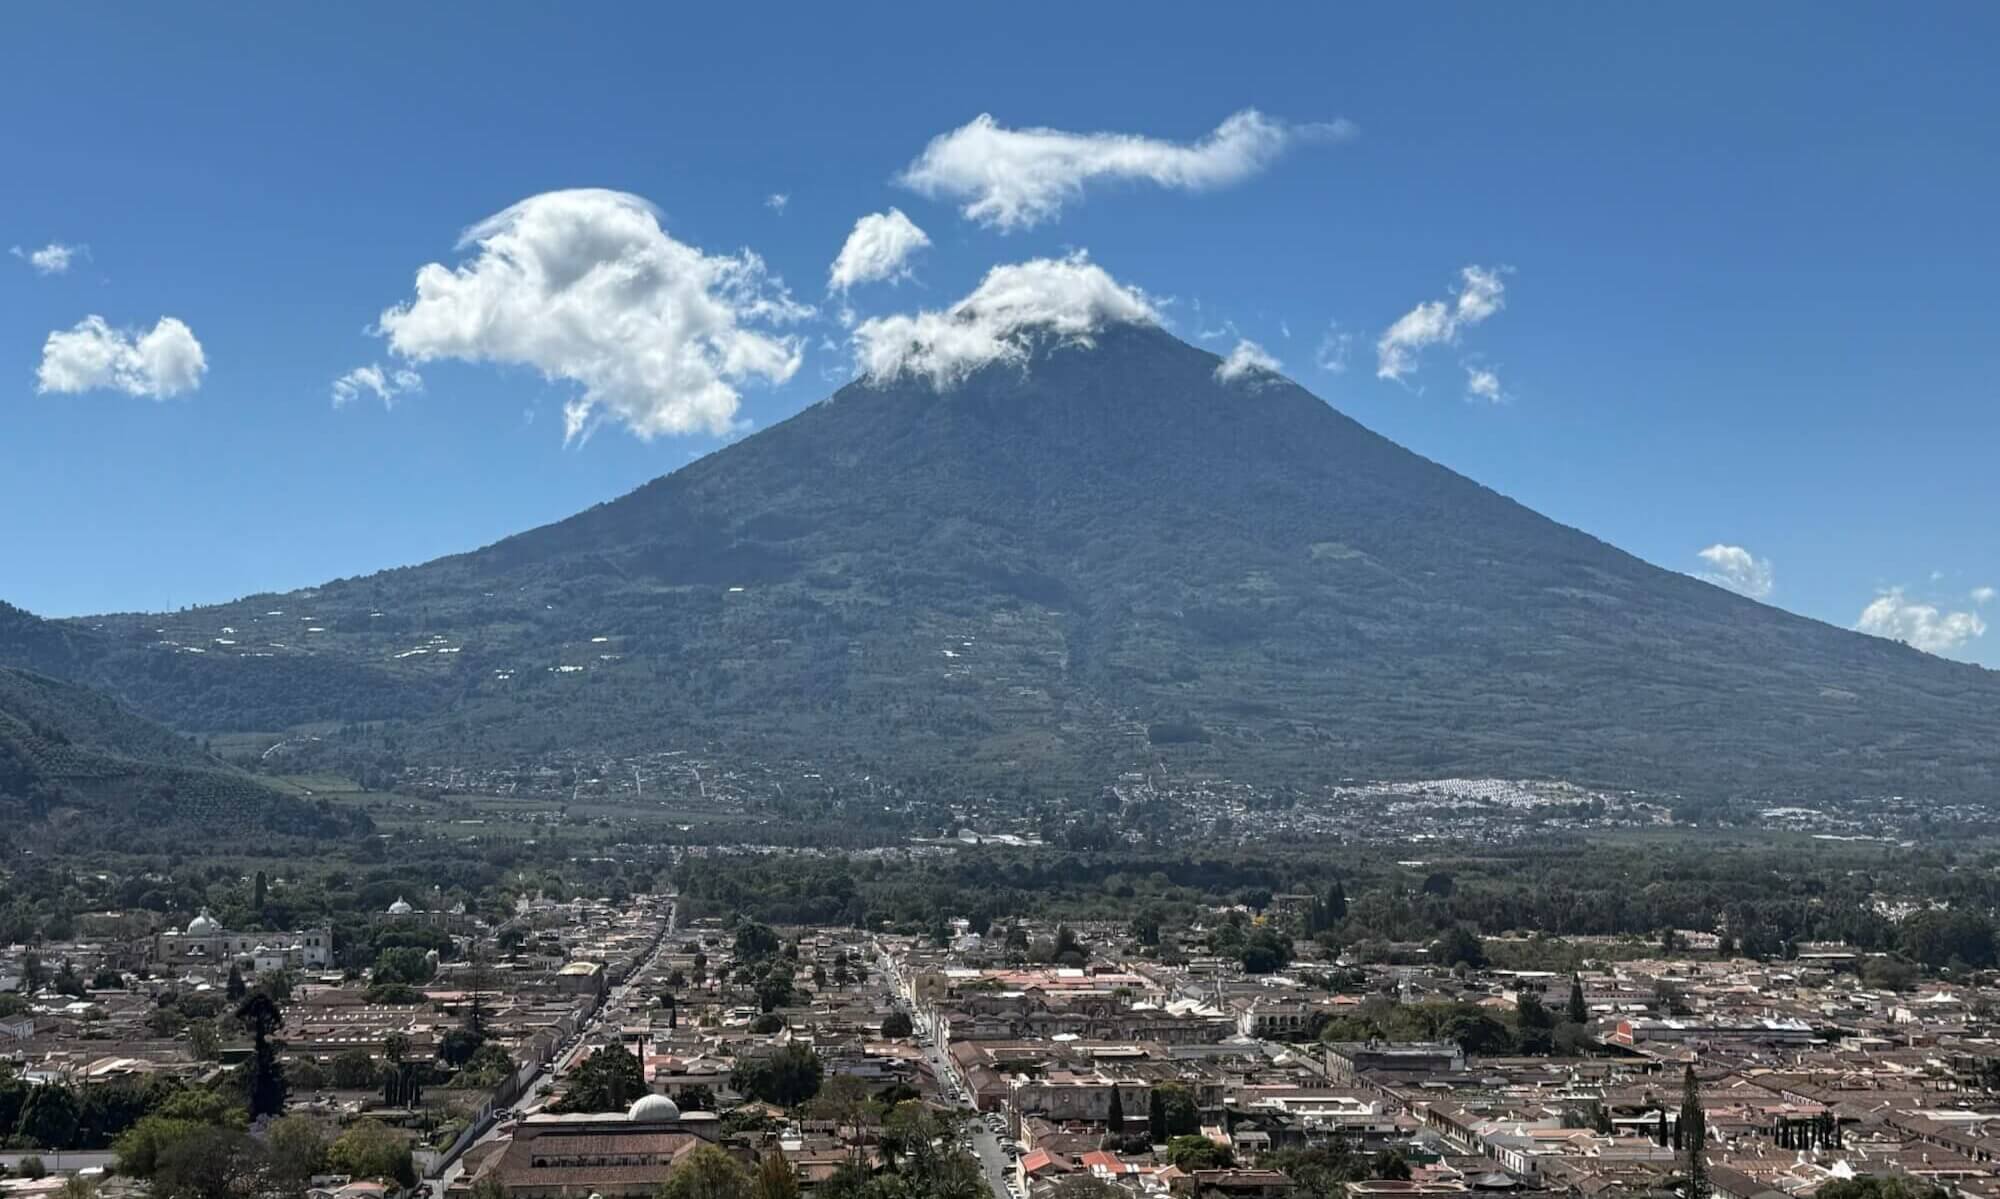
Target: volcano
1104,554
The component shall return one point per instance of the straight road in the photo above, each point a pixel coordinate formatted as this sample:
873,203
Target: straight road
613,1008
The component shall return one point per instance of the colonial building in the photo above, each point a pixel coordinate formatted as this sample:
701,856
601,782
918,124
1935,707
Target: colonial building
204,942
617,1157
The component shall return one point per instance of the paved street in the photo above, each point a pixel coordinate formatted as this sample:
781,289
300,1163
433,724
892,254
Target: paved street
986,1146
613,1008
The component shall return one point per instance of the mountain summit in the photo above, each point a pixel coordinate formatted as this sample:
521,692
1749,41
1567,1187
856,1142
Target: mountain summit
1082,556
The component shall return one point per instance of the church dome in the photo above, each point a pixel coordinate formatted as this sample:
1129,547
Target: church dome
653,1109
401,907
203,925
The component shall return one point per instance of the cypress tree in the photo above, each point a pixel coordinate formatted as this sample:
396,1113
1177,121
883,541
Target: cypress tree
1115,1115
1577,1012
1156,1118
1694,1138
1336,903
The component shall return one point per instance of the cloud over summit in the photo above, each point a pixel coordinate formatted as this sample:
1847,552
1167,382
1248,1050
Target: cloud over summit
1071,298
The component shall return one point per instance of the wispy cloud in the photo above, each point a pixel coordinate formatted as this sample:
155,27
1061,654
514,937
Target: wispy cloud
386,384
1018,178
1334,347
1483,384
52,259
155,364
1739,570
1481,293
777,201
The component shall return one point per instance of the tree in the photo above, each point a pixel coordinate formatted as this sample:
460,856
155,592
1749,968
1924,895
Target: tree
897,1024
1083,1186
775,1178
1459,944
236,988
1156,1118
1694,1138
49,1120
457,1046
296,1148
369,1149
267,1088
706,1173
476,983
607,1081
1576,1011
774,990
1530,1013
1114,1115
754,942
32,1167
1336,903
404,964
258,891
787,1078
353,1070
207,1163
1195,1152
204,1040
1180,1115
1265,951
1877,1186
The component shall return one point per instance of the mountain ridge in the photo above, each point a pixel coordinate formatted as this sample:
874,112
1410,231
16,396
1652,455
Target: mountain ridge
1101,559
68,748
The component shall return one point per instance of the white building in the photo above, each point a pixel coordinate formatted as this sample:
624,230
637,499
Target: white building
206,942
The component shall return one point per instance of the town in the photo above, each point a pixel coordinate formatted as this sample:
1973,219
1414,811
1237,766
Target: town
588,1047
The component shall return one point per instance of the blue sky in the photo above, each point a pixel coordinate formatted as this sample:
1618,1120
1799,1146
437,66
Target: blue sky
1747,257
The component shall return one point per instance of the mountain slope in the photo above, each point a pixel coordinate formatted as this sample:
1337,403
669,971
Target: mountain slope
63,746
1060,571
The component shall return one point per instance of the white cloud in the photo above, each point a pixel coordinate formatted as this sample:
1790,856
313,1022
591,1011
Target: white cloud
94,356
1331,356
52,259
1436,322
1919,625
1017,178
776,201
585,286
1482,384
1246,357
1739,570
387,384
1983,595
879,248
1070,298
